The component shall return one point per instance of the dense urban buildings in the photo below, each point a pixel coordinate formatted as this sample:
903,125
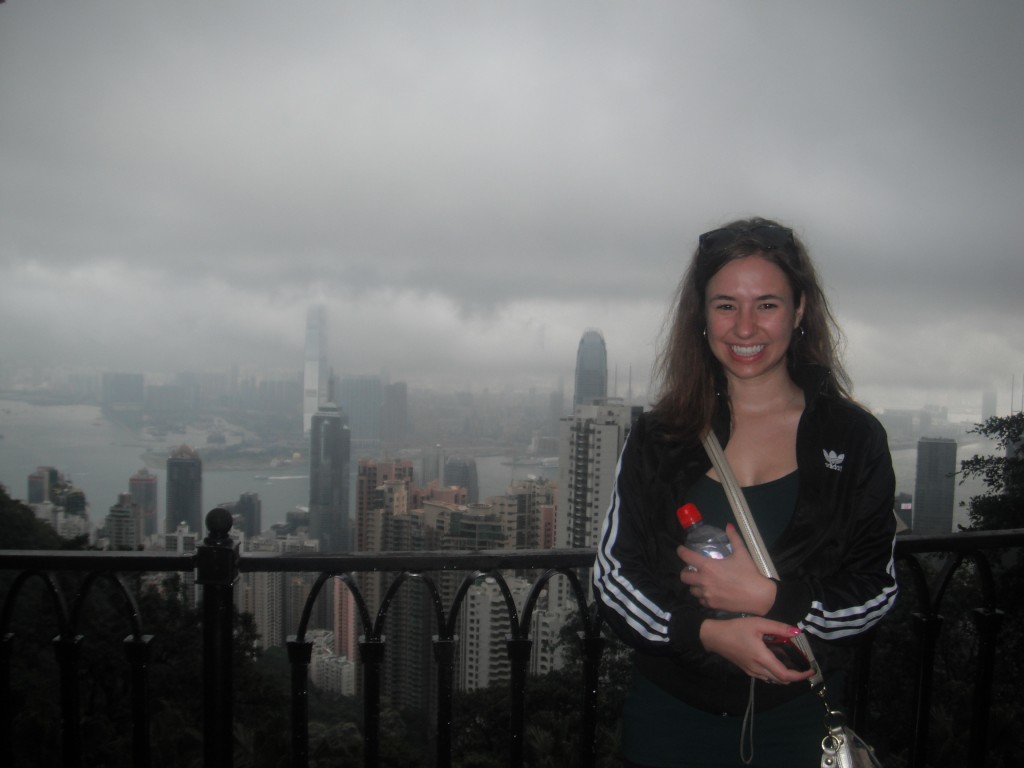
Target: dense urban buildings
419,486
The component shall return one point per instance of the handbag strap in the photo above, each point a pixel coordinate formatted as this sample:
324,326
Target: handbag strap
752,536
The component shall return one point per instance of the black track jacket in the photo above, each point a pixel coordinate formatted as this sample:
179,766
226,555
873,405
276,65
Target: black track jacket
835,563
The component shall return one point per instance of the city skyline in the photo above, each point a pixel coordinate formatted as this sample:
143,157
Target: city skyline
467,191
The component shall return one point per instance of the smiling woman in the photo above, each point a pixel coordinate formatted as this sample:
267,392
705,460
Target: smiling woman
751,358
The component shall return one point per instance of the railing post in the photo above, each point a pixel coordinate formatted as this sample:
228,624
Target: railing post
68,650
137,651
444,654
926,627
519,658
371,653
299,654
861,684
216,571
592,648
988,622
6,710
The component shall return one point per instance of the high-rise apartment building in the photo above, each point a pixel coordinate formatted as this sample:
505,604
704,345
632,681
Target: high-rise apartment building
183,540
123,525
40,483
934,485
143,488
591,369
589,446
371,495
249,511
484,626
329,447
590,442
315,373
184,499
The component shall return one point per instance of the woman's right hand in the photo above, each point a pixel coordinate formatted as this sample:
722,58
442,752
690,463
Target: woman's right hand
741,641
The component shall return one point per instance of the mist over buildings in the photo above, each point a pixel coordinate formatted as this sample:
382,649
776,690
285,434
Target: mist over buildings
467,189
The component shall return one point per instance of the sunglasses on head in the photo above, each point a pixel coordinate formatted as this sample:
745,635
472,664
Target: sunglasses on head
767,236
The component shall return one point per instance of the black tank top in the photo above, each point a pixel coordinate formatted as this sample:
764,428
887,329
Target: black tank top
772,504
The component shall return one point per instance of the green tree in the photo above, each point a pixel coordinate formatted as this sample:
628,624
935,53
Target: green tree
1002,504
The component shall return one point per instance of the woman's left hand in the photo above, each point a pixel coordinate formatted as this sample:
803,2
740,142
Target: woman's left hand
732,584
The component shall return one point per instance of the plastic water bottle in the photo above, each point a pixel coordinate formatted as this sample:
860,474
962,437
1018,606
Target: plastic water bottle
701,537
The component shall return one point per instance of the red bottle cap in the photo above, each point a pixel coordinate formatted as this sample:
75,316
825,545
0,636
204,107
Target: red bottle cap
688,515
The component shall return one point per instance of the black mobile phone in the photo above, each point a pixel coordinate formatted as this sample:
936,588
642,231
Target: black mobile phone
786,651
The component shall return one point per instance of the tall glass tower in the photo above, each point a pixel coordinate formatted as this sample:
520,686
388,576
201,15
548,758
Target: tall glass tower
329,448
184,490
314,377
591,369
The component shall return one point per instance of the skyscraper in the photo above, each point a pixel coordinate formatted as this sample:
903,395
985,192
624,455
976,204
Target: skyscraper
249,509
314,377
40,483
589,446
329,447
460,470
934,485
123,524
591,369
184,490
143,488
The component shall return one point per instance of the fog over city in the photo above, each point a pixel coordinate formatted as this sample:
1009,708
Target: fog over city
468,186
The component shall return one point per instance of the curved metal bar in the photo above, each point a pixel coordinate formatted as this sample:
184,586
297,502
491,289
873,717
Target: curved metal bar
920,581
983,570
985,577
63,619
949,569
349,581
385,604
577,589
510,602
534,595
307,608
460,596
117,579
435,596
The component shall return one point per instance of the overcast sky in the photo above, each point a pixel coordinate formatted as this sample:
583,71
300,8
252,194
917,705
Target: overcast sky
469,186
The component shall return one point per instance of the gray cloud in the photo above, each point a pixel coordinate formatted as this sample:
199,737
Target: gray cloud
470,186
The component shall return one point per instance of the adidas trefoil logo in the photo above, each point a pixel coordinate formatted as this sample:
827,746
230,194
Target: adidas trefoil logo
834,460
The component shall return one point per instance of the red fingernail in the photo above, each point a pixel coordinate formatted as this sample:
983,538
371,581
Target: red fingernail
794,631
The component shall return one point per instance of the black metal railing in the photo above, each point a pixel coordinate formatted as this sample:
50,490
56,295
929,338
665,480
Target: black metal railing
931,561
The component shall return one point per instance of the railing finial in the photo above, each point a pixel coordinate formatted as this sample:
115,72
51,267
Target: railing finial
218,523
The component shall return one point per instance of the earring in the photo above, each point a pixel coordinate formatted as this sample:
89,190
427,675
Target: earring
705,333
